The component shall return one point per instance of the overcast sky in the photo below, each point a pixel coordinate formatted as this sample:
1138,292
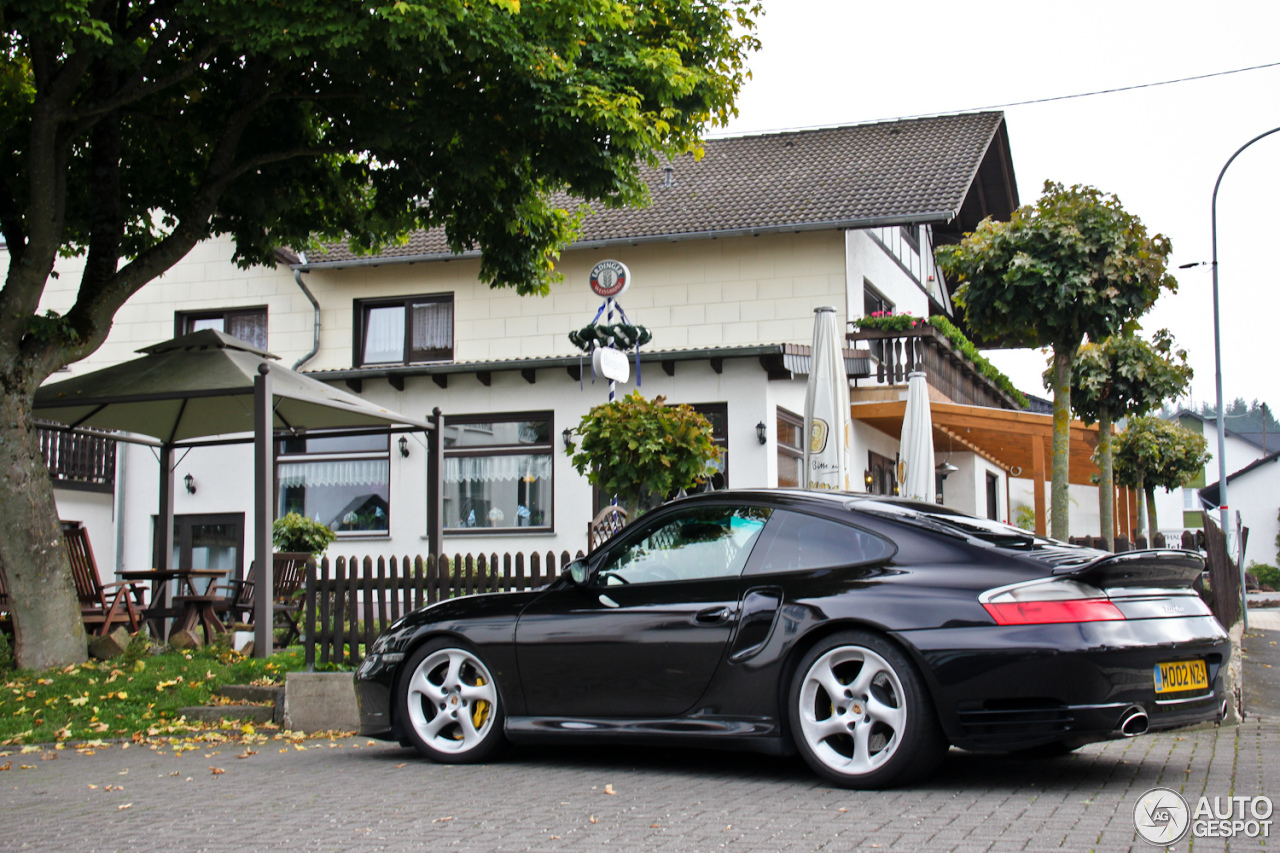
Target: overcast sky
1159,149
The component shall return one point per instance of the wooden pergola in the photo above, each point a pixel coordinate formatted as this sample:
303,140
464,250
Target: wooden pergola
1018,442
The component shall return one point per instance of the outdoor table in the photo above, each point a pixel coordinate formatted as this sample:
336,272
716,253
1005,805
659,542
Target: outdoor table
194,607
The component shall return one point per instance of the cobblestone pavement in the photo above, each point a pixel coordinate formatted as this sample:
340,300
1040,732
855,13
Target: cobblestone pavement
356,795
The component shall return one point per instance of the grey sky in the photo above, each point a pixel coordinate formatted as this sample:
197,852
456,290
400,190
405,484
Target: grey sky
1159,149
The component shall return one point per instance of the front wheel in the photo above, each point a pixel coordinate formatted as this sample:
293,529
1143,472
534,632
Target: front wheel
861,716
449,704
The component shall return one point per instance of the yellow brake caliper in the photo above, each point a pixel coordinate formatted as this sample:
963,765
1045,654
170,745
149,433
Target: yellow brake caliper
480,709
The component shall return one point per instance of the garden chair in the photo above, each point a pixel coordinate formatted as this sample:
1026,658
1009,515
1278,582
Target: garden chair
102,606
607,522
289,575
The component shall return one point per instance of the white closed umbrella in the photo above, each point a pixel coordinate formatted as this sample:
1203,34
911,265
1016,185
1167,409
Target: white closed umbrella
915,452
827,424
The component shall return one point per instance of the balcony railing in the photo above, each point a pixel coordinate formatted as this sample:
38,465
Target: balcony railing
84,460
948,370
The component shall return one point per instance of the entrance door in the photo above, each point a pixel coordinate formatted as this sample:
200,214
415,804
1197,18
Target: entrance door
210,541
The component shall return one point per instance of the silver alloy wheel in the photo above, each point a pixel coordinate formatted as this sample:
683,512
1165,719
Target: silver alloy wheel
852,710
452,701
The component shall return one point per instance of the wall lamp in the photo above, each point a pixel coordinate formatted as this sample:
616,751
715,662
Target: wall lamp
762,432
867,478
404,446
190,483
567,437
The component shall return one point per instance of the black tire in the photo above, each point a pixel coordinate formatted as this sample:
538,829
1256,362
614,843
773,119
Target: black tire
449,704
880,729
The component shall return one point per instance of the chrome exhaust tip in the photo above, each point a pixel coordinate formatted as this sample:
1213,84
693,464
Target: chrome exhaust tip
1222,712
1134,722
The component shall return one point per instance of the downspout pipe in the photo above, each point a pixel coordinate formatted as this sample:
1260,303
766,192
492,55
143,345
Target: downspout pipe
315,344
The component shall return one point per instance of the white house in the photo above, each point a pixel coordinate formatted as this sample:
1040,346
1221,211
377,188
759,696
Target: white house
728,265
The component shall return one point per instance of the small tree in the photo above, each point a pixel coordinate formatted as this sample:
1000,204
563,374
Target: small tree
299,534
1153,452
1075,265
1123,376
638,449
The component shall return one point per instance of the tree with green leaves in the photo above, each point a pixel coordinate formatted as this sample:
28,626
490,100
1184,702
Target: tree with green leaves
1153,452
1073,266
642,450
130,131
1120,377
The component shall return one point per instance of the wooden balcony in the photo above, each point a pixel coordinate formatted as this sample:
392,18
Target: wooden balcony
83,460
949,372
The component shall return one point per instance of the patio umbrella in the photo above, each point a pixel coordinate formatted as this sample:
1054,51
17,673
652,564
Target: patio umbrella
915,453
200,385
827,424
209,384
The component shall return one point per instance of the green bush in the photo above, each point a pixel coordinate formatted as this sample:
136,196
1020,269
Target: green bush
294,532
1266,575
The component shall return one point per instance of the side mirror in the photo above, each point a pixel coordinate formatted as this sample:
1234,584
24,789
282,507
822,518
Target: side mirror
577,572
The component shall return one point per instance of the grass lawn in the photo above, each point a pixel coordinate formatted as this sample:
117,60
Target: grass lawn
136,696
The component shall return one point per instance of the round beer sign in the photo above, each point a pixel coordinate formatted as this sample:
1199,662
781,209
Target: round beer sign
610,279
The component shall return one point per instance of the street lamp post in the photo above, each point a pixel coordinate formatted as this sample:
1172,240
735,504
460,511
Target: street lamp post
1217,368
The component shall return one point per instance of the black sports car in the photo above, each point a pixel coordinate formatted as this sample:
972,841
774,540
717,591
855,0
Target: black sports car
867,633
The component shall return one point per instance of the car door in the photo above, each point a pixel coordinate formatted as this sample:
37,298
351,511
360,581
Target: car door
643,636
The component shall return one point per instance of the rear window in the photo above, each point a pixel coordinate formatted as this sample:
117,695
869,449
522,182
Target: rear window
797,542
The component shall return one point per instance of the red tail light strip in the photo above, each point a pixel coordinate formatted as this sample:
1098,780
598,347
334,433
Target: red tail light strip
1046,612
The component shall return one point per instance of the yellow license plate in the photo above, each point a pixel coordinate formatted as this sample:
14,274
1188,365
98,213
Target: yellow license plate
1181,675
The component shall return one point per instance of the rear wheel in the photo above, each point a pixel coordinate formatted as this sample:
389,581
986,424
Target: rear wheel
449,704
860,714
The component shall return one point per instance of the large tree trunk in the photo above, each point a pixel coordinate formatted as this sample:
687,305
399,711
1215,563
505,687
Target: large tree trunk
1060,496
1106,479
42,597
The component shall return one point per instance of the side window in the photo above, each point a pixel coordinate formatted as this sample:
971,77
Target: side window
799,542
705,542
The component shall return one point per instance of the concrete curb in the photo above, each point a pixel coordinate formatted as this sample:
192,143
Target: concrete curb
320,702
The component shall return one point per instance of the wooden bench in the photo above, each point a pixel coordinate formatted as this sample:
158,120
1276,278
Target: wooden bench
102,606
289,574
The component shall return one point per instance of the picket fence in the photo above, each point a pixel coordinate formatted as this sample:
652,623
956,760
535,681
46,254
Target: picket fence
349,602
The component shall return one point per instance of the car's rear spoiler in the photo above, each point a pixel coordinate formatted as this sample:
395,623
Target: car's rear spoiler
1157,569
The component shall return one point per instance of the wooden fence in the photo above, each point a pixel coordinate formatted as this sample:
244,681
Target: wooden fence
351,601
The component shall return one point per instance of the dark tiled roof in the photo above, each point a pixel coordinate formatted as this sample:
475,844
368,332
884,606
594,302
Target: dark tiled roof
859,175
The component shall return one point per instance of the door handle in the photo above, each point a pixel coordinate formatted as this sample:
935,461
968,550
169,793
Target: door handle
714,616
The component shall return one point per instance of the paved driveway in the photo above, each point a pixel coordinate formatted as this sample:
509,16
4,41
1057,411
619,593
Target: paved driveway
351,795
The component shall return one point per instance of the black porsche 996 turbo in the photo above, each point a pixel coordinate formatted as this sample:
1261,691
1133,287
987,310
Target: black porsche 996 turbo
867,633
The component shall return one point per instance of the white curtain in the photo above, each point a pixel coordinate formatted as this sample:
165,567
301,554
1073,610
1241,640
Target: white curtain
432,326
384,334
355,472
488,469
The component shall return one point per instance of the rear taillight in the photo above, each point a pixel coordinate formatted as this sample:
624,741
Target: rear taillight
1049,602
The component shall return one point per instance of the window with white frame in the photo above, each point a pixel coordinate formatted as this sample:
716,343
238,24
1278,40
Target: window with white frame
343,481
497,472
408,330
1190,499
